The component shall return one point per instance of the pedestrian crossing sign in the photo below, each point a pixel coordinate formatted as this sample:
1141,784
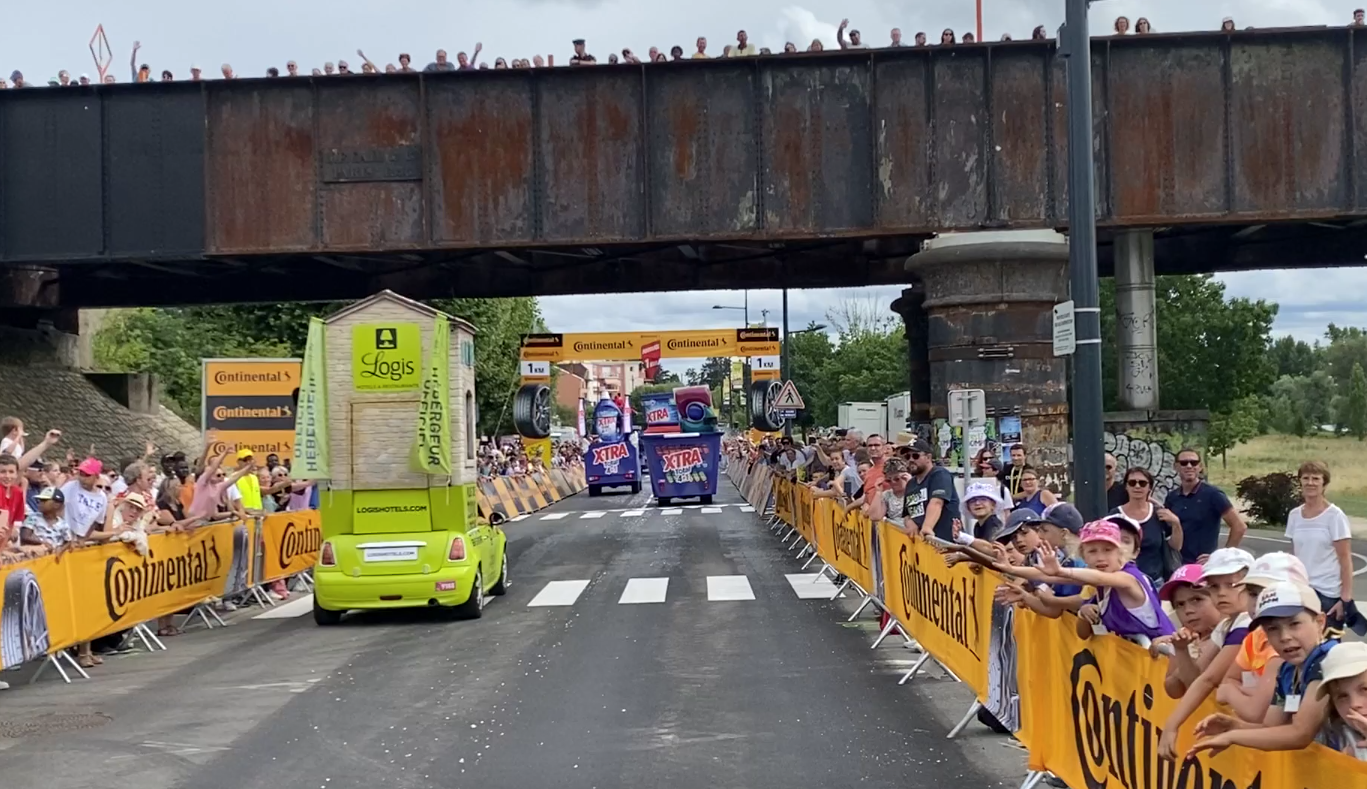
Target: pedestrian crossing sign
788,399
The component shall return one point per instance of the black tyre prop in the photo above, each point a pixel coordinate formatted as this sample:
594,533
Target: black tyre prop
532,411
763,416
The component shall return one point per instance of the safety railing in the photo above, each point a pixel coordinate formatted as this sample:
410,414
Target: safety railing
1087,710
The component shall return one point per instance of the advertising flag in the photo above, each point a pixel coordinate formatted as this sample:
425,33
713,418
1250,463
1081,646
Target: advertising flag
432,452
311,412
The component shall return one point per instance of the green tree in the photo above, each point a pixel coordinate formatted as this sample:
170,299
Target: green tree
1301,404
714,371
1211,351
1347,348
1357,403
172,342
1233,427
1293,357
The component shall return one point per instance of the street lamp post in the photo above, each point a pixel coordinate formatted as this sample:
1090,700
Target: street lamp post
1076,46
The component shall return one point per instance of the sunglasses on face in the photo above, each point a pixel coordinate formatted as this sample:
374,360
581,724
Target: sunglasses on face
1137,483
915,455
1189,463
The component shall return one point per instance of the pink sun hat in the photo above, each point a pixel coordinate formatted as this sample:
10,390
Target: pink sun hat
1186,575
1102,531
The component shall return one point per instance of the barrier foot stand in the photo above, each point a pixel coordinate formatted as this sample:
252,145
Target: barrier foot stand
914,669
55,660
789,535
806,548
968,716
841,588
796,543
825,565
262,599
302,579
149,639
1033,779
868,599
810,559
892,625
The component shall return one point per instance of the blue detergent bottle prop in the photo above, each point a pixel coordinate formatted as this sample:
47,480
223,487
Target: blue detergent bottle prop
607,421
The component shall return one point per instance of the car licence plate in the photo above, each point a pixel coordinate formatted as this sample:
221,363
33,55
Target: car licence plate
395,554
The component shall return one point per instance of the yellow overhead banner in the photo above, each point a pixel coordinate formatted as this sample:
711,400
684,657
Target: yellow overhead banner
626,346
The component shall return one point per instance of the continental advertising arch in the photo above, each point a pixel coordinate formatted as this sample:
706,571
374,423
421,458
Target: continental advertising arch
532,405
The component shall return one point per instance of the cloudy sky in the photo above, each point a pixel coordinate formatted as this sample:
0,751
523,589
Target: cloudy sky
253,35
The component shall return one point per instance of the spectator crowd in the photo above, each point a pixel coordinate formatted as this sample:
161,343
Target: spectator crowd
1271,638
743,47
509,458
53,500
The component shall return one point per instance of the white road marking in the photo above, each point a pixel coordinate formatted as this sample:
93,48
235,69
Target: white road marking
644,590
591,515
711,510
1248,535
672,511
554,516
808,587
299,606
633,513
747,508
729,587
519,518
558,593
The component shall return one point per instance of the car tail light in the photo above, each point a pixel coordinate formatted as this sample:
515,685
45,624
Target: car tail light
327,557
457,553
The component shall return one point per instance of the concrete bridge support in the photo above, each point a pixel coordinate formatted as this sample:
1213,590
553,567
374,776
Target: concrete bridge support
988,302
1136,321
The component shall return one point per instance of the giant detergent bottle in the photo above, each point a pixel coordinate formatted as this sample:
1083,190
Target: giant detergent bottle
607,421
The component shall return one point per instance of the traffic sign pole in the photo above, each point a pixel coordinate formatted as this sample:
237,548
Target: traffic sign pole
1076,45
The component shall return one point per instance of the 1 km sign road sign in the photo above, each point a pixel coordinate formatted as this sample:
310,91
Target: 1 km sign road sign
788,399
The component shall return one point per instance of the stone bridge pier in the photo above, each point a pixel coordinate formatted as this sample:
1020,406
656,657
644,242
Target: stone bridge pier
979,316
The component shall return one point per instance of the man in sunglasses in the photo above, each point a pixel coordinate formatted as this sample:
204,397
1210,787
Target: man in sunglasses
1201,507
932,502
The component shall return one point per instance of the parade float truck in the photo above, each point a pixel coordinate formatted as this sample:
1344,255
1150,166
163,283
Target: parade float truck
613,459
386,424
682,444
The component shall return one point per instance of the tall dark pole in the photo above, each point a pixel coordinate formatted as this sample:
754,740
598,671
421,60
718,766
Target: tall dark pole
784,373
1088,459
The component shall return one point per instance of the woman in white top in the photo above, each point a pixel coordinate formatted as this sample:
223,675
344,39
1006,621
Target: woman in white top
1320,538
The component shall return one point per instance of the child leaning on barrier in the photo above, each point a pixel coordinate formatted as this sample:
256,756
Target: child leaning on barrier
1290,614
1223,575
1126,603
1248,686
1345,685
1190,650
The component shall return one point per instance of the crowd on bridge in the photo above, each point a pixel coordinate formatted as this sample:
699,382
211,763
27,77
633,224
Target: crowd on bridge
54,499
846,38
1270,638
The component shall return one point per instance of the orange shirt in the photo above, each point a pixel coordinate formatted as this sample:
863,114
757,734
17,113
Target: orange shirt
1255,653
873,479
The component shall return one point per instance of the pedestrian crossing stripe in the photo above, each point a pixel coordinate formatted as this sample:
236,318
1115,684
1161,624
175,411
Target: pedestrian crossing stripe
636,591
637,513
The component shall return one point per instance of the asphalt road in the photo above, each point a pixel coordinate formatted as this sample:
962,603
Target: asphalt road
1261,541
774,692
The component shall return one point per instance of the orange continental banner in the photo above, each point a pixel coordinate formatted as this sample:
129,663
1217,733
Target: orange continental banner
1095,711
290,543
844,540
53,602
947,609
805,515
